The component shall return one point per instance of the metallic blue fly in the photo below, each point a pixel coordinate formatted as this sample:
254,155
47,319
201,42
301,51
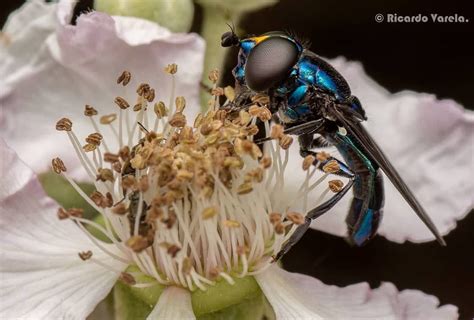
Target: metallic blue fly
313,101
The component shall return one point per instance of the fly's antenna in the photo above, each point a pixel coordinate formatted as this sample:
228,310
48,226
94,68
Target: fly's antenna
231,27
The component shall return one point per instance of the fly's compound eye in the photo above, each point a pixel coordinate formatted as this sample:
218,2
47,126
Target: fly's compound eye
229,39
269,63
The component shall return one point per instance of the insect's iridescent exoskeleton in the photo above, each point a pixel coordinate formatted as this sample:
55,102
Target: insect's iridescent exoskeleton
313,101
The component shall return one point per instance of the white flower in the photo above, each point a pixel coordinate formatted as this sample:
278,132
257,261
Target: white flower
42,275
188,248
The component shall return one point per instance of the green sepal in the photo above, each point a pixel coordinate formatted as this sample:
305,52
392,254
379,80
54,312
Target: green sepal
242,301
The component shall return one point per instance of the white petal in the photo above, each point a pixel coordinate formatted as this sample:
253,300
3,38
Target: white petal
296,296
41,274
174,303
79,65
429,141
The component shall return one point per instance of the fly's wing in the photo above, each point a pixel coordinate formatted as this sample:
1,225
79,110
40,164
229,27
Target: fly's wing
354,127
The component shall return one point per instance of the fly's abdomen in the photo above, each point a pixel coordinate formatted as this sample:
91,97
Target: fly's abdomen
365,213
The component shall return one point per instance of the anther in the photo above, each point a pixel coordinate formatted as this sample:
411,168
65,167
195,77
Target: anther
206,129
308,161
178,120
171,68
111,157
89,111
89,147
244,117
117,167
100,200
120,209
124,78
276,131
254,110
322,156
295,217
127,278
71,212
180,104
261,99
217,91
279,228
122,103
171,220
231,223
64,124
58,165
150,95
173,250
209,213
85,255
143,89
245,188
187,265
265,114
229,93
124,153
105,174
129,182
266,162
108,118
285,141
62,214
214,75
275,218
137,243
331,167
160,109
336,185
94,138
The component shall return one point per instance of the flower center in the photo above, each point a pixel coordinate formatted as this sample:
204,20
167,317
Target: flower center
188,205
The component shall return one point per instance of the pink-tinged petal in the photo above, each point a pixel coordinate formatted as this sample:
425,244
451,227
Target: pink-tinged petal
429,141
79,65
27,27
414,304
297,296
174,303
41,275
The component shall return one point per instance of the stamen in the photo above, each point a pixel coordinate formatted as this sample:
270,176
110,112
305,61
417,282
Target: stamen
124,78
85,255
189,205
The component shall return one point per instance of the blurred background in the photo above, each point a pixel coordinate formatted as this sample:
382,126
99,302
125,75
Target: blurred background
426,57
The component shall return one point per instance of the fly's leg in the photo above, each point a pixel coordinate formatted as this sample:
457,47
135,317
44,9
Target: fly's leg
310,216
307,142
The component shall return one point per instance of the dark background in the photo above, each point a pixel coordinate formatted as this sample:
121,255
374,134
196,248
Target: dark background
428,57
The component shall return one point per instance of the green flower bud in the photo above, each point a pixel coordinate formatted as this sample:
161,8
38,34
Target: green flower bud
238,5
176,15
